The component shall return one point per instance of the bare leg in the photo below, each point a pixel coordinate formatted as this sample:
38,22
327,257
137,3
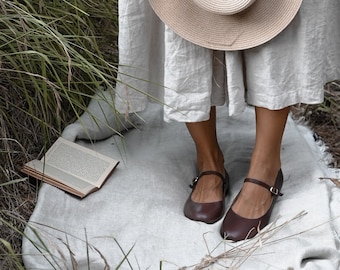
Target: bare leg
209,157
254,201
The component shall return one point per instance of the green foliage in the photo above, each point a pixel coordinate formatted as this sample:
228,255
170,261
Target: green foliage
51,61
54,55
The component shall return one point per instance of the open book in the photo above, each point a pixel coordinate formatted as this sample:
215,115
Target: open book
72,167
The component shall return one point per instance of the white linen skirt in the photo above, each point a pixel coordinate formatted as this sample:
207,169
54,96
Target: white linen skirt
156,64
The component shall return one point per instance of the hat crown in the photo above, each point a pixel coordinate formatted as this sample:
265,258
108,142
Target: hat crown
224,7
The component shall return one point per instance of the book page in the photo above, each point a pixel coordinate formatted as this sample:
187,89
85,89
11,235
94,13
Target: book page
79,161
54,176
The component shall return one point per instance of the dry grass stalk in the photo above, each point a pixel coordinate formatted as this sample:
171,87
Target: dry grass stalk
335,181
58,251
238,254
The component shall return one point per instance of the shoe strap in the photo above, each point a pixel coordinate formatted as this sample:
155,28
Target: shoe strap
274,190
195,180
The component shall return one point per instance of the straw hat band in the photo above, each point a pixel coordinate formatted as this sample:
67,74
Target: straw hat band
224,7
258,22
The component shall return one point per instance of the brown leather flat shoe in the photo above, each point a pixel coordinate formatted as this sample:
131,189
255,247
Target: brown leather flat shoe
236,228
206,212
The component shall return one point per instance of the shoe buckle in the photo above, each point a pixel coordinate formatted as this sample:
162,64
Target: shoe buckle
274,190
194,182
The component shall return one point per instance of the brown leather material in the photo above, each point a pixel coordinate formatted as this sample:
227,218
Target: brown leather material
237,228
271,189
206,212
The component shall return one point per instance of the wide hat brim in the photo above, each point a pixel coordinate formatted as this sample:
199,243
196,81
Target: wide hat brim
252,27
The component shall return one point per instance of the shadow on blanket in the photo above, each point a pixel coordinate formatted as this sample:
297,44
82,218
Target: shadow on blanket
136,222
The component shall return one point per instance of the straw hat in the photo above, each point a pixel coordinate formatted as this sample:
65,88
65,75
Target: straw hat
227,24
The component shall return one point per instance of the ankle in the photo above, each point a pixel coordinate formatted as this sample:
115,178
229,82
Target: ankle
213,160
264,170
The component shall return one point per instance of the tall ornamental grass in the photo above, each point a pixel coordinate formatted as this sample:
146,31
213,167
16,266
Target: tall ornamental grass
53,56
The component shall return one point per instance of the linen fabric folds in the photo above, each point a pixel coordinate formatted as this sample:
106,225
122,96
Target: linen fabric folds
156,64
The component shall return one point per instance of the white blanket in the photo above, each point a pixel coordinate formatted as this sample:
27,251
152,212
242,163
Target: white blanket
136,220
